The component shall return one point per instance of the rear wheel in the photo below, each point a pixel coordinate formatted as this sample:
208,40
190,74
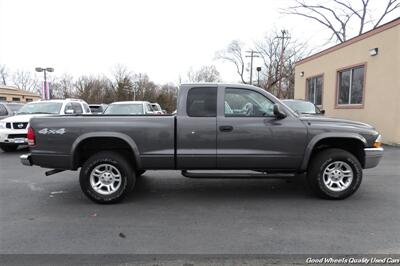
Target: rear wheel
8,148
334,174
107,177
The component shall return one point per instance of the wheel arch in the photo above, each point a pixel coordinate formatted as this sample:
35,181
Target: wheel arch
352,142
109,136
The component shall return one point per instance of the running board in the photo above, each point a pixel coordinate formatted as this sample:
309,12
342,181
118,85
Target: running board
234,175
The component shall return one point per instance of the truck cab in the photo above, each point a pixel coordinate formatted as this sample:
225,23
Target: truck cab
235,127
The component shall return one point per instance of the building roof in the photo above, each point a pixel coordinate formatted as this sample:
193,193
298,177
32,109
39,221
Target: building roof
358,38
15,91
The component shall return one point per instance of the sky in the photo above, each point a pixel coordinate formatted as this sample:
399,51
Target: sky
161,38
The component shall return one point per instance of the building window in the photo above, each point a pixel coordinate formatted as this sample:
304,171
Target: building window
314,90
16,99
28,99
3,98
351,85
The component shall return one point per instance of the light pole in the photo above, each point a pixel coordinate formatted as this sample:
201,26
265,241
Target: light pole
46,91
258,76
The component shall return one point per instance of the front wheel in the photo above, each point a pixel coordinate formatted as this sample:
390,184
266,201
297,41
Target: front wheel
107,177
334,174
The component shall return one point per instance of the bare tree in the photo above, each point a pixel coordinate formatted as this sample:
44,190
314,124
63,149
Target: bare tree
94,89
146,90
279,55
3,74
122,83
63,87
26,81
338,16
234,53
204,74
167,97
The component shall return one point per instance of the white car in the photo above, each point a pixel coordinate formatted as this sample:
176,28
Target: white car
13,129
129,108
157,109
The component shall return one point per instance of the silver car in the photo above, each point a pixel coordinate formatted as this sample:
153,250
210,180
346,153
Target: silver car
9,109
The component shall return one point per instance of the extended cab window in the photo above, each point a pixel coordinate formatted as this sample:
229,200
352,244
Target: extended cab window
243,102
202,102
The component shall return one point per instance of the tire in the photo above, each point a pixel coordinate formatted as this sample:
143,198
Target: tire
334,174
99,177
140,172
9,148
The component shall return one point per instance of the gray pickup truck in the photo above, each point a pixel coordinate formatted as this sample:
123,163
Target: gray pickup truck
216,127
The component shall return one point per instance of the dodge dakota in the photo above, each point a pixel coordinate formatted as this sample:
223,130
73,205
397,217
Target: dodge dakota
216,127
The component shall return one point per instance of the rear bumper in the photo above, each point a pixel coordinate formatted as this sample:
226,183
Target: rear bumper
26,159
53,161
372,157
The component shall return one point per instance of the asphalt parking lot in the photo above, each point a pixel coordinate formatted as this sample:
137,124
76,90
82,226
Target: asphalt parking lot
169,214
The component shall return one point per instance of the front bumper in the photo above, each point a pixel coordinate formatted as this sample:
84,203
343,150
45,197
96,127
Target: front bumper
12,136
372,157
26,159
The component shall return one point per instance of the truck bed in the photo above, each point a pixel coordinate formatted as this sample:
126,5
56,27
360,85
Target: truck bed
58,138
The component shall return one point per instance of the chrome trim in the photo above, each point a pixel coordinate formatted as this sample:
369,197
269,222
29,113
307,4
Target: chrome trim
26,159
372,157
380,149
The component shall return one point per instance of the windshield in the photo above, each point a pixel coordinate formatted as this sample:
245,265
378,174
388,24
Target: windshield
14,107
125,109
301,107
41,108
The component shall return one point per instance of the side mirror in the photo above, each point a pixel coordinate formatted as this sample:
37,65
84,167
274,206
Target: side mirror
278,112
322,112
69,112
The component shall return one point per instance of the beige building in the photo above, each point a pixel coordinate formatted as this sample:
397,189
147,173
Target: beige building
358,80
13,94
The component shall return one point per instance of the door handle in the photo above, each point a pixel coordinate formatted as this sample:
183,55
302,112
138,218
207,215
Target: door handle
225,128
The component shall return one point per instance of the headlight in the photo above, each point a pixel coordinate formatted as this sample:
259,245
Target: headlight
2,124
378,142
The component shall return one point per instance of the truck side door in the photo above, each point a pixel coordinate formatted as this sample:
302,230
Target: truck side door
196,128
249,136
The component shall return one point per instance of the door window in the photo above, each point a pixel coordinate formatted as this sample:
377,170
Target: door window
77,108
68,106
202,102
247,103
3,110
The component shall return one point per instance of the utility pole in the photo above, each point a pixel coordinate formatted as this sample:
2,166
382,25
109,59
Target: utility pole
283,37
252,55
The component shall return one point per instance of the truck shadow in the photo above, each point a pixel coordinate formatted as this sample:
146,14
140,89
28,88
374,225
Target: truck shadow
171,188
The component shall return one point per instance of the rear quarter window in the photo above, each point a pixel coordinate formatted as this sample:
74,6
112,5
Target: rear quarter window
202,102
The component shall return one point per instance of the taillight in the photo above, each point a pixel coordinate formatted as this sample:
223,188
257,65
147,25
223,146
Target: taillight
31,136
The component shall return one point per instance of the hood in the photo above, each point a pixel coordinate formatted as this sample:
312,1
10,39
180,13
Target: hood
22,118
334,121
